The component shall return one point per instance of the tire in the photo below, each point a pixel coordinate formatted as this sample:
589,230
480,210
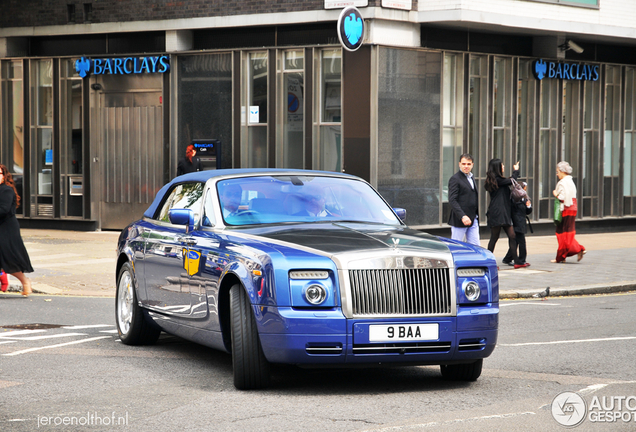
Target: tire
132,326
251,368
462,372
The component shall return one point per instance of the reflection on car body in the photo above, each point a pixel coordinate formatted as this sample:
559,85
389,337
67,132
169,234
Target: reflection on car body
306,268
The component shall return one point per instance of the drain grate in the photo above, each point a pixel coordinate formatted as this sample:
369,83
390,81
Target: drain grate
36,326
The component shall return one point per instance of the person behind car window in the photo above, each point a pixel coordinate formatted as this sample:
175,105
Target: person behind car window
314,204
230,196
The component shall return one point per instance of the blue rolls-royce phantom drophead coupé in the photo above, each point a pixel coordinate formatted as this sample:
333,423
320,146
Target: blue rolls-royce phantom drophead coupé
302,267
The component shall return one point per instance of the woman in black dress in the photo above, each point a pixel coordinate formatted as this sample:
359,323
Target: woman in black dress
500,208
14,258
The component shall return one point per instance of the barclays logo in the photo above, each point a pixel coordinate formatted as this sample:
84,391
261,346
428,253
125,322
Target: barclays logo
351,28
569,71
122,66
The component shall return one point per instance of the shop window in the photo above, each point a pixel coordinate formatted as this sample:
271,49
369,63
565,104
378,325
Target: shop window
204,105
292,104
549,128
629,144
452,119
409,154
254,139
526,87
328,133
12,122
477,96
42,138
502,110
611,140
71,140
590,153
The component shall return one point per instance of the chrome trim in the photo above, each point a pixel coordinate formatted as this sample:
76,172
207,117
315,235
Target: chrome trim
387,269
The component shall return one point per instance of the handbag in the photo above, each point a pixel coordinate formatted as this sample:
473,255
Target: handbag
558,216
516,191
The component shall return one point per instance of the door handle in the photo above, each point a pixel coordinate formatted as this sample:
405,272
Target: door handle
189,241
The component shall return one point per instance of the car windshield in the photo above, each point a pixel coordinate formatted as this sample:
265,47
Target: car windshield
288,199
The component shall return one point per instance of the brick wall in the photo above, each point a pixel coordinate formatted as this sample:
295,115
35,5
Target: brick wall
22,13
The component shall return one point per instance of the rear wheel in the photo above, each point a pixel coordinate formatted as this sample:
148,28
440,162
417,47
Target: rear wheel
132,326
251,368
462,372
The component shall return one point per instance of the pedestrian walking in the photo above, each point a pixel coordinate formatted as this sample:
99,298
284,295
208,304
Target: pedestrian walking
14,258
520,210
565,192
190,163
463,200
500,207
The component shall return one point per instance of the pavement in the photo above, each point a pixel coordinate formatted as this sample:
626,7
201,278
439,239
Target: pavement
83,264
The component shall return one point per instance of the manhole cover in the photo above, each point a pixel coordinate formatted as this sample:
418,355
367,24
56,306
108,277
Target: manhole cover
35,326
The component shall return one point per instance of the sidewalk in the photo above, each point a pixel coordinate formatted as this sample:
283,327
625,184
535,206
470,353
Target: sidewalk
83,263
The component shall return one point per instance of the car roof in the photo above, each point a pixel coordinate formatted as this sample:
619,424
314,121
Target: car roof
204,176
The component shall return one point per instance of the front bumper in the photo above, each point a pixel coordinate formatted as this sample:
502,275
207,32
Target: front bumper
323,337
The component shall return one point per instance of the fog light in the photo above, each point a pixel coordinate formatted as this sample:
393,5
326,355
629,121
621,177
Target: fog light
315,294
472,291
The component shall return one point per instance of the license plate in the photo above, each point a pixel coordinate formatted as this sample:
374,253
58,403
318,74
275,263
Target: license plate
403,332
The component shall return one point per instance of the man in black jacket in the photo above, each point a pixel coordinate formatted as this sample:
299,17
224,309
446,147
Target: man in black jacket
463,200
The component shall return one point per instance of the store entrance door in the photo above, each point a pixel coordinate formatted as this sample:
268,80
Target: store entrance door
130,134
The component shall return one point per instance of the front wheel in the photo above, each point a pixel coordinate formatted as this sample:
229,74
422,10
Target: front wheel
462,372
251,368
132,327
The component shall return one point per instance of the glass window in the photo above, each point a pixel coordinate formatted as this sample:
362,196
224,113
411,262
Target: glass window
452,109
284,199
292,105
254,136
328,152
629,144
477,121
409,130
183,196
12,109
526,119
502,104
611,140
205,102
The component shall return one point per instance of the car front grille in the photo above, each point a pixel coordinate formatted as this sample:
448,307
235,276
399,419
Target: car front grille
400,292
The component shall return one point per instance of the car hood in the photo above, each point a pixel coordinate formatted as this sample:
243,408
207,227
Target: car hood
342,237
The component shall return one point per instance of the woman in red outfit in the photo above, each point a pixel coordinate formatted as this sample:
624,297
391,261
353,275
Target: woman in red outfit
565,192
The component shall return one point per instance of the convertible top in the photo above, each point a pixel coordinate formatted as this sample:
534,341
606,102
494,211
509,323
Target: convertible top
204,176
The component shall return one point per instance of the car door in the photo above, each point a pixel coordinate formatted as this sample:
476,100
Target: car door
168,260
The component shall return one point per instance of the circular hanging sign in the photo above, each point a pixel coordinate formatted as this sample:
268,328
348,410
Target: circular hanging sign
350,28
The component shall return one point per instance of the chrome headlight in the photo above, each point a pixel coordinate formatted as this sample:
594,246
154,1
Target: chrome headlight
315,294
472,291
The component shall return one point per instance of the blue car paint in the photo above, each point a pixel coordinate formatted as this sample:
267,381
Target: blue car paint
287,329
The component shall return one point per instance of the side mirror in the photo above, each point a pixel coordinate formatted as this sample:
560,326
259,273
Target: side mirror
401,213
182,217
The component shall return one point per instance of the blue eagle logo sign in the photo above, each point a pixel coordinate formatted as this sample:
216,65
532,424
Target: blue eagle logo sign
539,69
82,66
350,28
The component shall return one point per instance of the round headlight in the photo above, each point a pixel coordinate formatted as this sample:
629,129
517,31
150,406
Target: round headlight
315,294
472,291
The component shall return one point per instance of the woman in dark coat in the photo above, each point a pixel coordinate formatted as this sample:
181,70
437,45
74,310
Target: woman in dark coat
14,258
500,208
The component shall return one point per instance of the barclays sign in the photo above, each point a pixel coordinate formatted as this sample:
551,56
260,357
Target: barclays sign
123,66
568,71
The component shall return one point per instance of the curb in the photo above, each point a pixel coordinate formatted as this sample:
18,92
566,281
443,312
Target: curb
584,290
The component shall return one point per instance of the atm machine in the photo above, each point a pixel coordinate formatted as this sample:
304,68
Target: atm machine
209,153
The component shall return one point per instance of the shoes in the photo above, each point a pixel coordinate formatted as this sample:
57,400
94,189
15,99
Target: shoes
510,263
517,266
580,255
555,261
